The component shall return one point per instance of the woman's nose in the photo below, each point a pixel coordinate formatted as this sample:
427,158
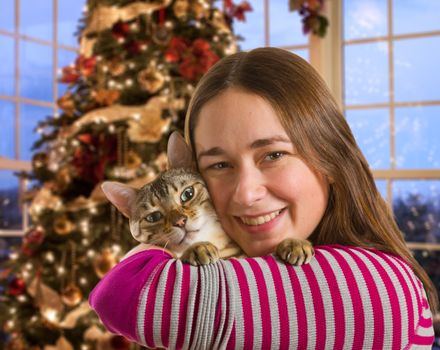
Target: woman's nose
249,187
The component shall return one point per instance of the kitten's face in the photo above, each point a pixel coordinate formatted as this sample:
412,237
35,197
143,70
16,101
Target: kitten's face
171,210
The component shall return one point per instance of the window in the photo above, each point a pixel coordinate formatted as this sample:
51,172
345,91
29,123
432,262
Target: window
35,41
392,102
272,24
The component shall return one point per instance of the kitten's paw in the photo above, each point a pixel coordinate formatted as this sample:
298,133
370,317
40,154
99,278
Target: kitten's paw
295,251
202,253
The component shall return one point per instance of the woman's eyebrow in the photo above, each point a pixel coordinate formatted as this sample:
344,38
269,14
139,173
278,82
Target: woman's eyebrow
218,151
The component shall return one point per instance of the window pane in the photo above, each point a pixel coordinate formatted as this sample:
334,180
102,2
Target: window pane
36,71
65,58
7,131
304,53
382,187
365,18
7,15
29,117
416,206
414,62
69,12
36,21
7,66
6,243
253,29
285,27
10,213
417,137
366,73
371,128
422,15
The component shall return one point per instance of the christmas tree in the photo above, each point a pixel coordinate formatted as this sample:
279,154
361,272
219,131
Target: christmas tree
128,90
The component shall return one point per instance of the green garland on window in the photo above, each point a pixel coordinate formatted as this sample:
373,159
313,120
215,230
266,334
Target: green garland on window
312,19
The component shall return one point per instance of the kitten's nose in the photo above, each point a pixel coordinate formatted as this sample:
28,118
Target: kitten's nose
180,222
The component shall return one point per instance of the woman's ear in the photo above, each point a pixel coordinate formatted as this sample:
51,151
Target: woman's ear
179,153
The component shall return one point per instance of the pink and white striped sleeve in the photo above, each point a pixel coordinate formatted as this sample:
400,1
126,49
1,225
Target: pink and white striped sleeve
346,298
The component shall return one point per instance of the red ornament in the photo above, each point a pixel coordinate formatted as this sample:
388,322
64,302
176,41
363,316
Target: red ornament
120,29
176,49
118,342
31,241
194,59
93,156
238,11
69,75
17,286
135,47
86,65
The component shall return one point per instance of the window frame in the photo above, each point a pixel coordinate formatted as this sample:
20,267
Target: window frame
327,56
16,164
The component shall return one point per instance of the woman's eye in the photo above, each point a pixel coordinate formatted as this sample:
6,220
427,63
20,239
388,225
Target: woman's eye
275,155
154,217
218,166
187,194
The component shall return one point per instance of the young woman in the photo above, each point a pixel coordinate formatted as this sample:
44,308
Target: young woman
280,162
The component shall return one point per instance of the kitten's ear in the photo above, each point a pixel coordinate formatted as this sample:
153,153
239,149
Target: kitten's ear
122,196
179,153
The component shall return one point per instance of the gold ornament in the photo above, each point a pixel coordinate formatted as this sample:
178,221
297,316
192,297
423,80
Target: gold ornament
106,97
63,178
72,295
104,17
150,126
104,262
161,35
133,160
63,226
199,9
67,104
116,68
180,8
150,79
44,199
219,22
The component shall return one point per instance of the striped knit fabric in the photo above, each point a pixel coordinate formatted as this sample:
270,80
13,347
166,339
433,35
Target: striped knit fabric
346,298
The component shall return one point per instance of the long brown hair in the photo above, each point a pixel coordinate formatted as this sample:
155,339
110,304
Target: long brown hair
356,213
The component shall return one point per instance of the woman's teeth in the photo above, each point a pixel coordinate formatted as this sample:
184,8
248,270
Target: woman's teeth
259,219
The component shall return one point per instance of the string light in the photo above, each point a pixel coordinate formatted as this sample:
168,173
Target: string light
22,298
116,249
91,253
129,82
131,65
50,314
61,270
111,129
83,281
121,40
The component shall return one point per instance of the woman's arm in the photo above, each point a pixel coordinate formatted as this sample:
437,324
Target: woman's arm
345,298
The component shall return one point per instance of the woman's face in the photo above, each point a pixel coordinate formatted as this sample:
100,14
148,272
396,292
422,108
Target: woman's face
262,191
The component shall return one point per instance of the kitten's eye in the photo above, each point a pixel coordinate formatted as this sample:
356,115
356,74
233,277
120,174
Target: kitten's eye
154,217
187,194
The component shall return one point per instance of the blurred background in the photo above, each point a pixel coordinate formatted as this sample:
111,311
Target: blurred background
379,57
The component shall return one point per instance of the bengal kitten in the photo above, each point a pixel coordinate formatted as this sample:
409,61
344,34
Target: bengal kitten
175,211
